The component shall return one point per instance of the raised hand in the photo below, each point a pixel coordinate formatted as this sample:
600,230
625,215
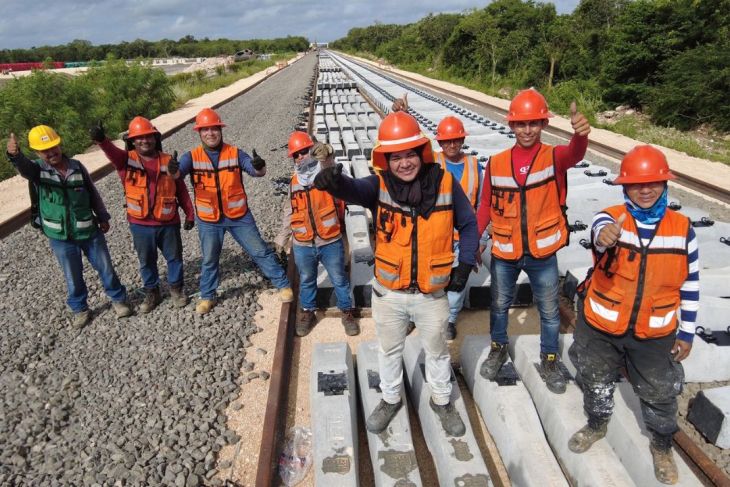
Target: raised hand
400,104
329,178
579,121
173,165
96,133
13,147
610,233
257,162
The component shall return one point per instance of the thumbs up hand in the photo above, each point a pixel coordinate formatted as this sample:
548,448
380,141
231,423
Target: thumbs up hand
173,165
13,148
579,121
400,104
610,233
257,162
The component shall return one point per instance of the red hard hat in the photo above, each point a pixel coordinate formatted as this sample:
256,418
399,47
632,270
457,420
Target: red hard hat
644,164
450,128
400,131
207,118
140,126
528,105
299,140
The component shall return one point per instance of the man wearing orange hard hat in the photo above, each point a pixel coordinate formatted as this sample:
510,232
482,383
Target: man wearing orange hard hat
638,307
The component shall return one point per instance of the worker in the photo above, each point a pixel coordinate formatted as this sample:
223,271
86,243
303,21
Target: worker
315,219
638,307
73,217
415,207
152,200
524,199
216,170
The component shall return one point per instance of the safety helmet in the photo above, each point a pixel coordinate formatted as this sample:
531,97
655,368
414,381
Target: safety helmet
450,128
299,140
140,126
400,131
207,118
42,137
528,105
644,164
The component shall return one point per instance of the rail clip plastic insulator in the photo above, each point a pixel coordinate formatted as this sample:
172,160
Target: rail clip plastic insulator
596,174
585,243
703,222
577,226
726,241
675,205
582,164
608,182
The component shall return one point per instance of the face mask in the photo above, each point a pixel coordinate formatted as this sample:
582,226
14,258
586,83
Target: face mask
648,215
307,169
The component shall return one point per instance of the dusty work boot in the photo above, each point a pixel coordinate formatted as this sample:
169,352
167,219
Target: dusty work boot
178,296
122,309
151,300
496,358
286,295
204,306
305,322
381,416
451,331
551,373
449,417
584,438
81,319
352,328
665,470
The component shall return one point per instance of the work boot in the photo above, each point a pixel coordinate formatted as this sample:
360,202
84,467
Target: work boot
352,328
81,319
551,373
178,296
584,438
286,295
665,470
204,306
381,416
496,358
451,331
449,417
151,300
122,309
305,322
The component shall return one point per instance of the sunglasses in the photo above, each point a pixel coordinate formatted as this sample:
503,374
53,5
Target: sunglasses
300,153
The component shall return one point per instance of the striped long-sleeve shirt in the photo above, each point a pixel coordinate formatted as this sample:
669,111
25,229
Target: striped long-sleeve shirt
689,292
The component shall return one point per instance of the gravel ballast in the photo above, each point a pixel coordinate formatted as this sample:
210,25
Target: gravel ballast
138,401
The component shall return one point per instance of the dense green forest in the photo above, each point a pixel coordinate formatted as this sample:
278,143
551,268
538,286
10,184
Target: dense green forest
188,46
670,58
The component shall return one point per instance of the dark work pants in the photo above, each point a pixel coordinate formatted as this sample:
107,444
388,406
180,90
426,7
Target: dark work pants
655,377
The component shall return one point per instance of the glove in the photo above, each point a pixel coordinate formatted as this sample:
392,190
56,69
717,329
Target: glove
322,151
257,162
459,276
96,133
173,166
188,225
329,178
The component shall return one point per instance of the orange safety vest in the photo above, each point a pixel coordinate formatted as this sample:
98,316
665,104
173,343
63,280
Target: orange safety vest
218,191
136,190
314,213
469,178
636,287
411,251
530,218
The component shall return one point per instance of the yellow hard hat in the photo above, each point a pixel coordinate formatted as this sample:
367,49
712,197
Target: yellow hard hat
42,137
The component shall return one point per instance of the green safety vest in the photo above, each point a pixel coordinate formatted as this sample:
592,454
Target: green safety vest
65,206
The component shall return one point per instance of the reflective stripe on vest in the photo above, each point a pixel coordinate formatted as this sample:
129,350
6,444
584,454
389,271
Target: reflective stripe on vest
314,213
412,251
218,192
137,190
635,287
530,218
469,177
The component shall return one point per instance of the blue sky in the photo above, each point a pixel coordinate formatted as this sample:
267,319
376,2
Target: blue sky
112,21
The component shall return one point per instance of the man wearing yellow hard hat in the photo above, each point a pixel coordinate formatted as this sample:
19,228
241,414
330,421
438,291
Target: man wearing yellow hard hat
72,216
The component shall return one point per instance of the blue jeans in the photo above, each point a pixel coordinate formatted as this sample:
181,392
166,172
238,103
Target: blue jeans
147,239
248,237
332,257
68,253
456,300
543,275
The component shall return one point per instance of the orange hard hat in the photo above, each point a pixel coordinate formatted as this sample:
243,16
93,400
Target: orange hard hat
644,164
207,118
528,105
450,128
140,126
400,131
299,140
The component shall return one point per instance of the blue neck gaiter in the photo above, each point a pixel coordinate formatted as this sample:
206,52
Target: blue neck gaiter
648,215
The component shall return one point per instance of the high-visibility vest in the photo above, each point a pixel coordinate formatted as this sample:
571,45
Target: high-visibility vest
529,218
314,213
469,178
137,192
66,210
411,251
218,191
635,287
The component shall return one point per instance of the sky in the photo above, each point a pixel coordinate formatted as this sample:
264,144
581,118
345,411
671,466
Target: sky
54,22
